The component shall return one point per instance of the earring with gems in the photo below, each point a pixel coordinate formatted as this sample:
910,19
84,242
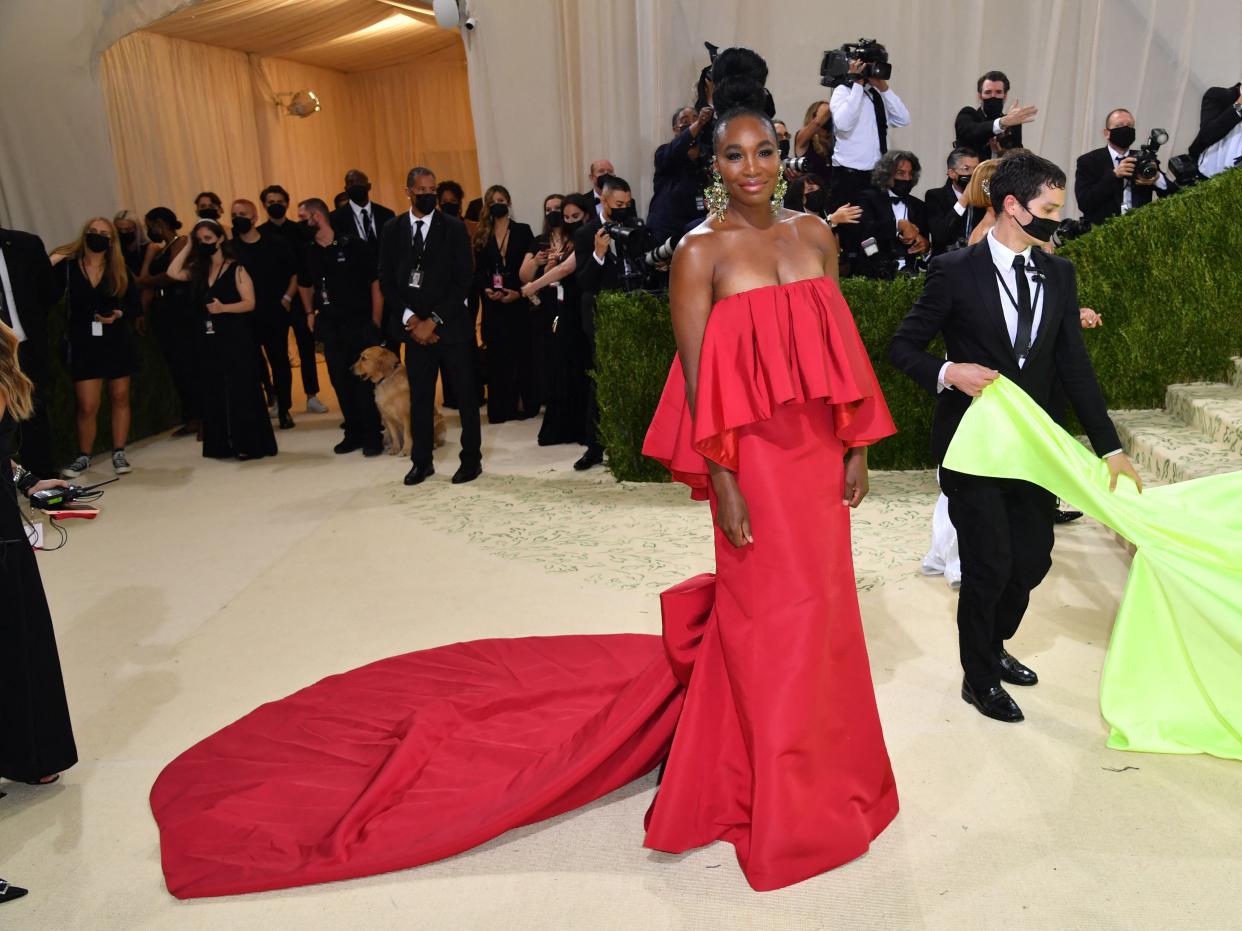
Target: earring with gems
716,197
778,194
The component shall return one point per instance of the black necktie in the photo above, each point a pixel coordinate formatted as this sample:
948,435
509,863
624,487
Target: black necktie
368,231
418,238
1026,316
881,119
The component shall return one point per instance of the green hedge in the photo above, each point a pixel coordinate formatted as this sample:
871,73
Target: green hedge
1166,278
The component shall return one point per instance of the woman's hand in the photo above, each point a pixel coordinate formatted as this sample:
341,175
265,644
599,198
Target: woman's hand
847,213
215,307
856,483
45,484
108,318
508,295
732,516
529,289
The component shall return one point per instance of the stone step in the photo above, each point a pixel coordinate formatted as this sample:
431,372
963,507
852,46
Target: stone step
1214,410
1168,450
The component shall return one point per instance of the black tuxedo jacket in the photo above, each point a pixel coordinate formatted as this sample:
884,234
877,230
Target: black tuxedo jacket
1216,117
30,276
447,265
947,226
961,301
590,276
342,220
877,220
1099,192
974,131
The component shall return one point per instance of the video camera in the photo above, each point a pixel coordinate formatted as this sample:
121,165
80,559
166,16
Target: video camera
834,68
1146,162
633,240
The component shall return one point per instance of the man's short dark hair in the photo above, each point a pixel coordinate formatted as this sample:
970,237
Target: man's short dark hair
1109,116
273,189
452,187
356,172
956,156
315,205
1023,176
211,196
415,173
613,183
992,76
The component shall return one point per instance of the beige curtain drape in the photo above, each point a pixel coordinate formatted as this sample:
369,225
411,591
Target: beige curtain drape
187,117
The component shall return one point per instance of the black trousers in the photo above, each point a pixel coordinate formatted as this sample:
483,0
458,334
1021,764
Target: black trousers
422,365
1004,539
306,352
848,185
343,342
272,335
35,438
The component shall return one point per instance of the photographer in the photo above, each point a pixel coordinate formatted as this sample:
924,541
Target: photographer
1218,145
989,128
950,216
893,217
862,109
1113,180
678,185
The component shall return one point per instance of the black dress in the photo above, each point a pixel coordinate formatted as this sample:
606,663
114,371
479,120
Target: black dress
174,320
36,737
565,411
235,420
512,387
107,352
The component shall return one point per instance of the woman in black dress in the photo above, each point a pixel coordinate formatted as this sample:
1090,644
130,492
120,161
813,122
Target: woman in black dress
101,299
500,244
131,233
36,737
551,264
174,320
235,420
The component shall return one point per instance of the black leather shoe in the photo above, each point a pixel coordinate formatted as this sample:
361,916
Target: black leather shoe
10,892
592,457
993,703
1013,672
372,451
1064,517
467,473
286,422
346,446
419,474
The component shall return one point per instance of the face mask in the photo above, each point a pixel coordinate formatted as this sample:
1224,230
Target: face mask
1039,228
571,227
783,145
153,235
208,213
97,242
554,218
358,193
1122,137
451,207
276,210
961,181
242,225
206,249
498,210
903,186
816,201
424,203
994,107
621,214
128,239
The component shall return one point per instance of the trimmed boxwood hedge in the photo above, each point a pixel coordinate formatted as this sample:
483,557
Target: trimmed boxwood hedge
1166,279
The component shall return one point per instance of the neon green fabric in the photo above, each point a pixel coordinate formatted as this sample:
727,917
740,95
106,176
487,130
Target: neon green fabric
1172,680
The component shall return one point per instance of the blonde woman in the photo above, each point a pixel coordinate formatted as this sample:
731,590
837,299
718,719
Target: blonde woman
976,196
101,299
36,741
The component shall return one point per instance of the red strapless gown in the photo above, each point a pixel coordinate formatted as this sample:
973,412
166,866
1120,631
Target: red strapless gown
761,685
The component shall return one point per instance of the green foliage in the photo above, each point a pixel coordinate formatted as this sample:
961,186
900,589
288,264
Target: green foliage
1166,279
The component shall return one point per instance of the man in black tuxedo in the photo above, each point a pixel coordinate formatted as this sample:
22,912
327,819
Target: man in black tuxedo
26,293
1218,145
892,216
988,128
949,218
1003,308
360,218
600,170
426,269
599,268
1104,181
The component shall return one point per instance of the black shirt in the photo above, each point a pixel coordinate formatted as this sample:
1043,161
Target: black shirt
293,232
270,263
340,274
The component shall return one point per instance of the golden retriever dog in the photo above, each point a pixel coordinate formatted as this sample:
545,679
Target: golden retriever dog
392,397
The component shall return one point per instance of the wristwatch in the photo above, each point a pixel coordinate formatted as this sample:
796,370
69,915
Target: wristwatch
1237,108
437,318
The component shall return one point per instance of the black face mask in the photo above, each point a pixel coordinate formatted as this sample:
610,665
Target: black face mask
1039,228
276,210
154,236
451,207
554,218
424,203
206,249
1122,137
621,214
816,201
128,239
498,210
961,181
994,107
208,213
242,225
783,145
903,186
359,193
570,227
97,242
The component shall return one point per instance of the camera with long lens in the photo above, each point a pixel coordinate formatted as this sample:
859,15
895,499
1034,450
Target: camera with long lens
1067,230
661,254
834,67
1146,161
633,239
801,164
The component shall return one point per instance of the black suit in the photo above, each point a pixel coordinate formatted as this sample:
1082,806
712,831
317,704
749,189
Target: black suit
946,225
878,221
1099,191
1004,526
30,277
446,269
343,224
973,130
591,278
1217,118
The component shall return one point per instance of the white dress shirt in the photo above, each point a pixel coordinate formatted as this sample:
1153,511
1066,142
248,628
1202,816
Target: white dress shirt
854,124
901,211
369,209
416,224
8,300
1221,154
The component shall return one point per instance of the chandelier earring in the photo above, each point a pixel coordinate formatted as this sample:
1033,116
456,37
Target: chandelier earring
716,197
778,194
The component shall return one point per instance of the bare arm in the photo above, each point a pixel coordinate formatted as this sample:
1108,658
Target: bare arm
177,270
179,249
802,141
561,271
377,303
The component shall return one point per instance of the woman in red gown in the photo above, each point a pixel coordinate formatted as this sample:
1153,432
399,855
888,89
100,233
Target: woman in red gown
759,694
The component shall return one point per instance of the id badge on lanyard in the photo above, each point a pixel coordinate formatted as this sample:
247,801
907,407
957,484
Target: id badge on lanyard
498,281
416,278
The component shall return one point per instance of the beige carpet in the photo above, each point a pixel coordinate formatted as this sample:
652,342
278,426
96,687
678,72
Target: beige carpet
207,588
